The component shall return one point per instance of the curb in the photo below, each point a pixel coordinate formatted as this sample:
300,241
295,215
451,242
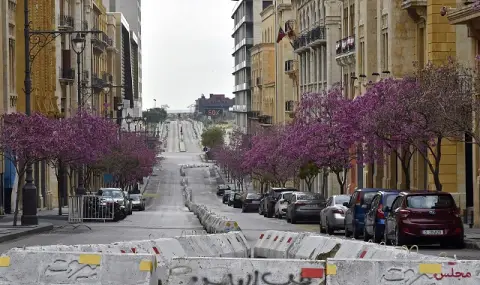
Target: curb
472,244
40,228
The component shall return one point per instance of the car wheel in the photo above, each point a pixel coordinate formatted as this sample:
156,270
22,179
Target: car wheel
328,229
347,232
243,209
293,220
460,243
260,212
322,229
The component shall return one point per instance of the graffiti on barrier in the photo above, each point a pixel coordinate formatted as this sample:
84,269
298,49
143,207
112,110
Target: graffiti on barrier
403,276
62,270
452,274
256,278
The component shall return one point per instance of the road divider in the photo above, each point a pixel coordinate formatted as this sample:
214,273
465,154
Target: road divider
231,244
28,267
281,244
394,271
197,270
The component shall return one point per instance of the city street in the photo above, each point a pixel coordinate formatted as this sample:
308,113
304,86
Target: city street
166,215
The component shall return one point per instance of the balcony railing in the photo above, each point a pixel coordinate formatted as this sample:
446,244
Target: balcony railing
65,22
107,77
345,45
289,66
289,106
67,74
97,81
265,120
310,37
106,39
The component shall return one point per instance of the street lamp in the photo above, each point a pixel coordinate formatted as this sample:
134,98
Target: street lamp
35,41
78,46
128,120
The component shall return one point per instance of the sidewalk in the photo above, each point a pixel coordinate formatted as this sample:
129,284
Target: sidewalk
47,220
472,237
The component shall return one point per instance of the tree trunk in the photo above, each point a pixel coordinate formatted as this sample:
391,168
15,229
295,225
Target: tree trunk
21,175
309,182
340,181
60,184
324,183
405,158
435,166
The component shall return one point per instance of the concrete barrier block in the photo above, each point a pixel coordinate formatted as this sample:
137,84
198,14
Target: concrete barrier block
196,246
45,267
317,247
241,248
245,271
260,247
281,244
382,271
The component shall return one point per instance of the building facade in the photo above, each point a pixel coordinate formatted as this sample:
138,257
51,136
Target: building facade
216,105
247,21
132,12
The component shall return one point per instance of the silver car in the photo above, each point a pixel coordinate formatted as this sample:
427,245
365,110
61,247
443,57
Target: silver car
117,195
282,204
333,215
138,202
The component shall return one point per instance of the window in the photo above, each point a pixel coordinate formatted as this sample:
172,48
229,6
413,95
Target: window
11,63
339,200
430,202
385,50
352,20
345,22
362,57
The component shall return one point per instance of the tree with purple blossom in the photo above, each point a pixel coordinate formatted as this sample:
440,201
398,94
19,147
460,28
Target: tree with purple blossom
26,140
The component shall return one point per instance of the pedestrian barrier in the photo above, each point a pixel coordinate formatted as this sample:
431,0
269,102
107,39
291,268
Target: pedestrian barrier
388,271
197,270
41,268
83,208
276,244
232,244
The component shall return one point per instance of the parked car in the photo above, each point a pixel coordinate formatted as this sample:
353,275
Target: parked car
271,199
138,202
221,189
281,204
375,216
116,195
332,217
226,196
235,199
419,217
251,201
304,206
355,215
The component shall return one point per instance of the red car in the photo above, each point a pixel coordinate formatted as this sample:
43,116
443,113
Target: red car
424,217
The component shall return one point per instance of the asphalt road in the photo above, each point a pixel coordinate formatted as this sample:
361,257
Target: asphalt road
166,215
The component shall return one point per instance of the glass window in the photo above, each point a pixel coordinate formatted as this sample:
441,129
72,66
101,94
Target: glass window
367,197
339,200
253,196
389,199
430,202
309,196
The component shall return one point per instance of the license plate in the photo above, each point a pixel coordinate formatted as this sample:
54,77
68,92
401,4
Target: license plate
256,202
432,232
312,206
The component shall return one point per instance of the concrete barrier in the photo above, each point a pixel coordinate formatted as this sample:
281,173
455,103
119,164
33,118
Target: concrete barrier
276,244
378,271
245,271
42,267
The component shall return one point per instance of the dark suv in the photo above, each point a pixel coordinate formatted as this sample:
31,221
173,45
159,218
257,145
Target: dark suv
271,199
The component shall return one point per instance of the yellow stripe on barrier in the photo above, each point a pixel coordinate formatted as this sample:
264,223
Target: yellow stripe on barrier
146,265
90,259
331,269
4,261
430,268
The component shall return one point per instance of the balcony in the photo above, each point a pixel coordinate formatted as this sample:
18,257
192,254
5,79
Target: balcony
106,39
97,81
241,65
239,108
417,9
468,15
107,77
66,75
242,87
265,120
97,42
253,115
65,22
345,50
314,37
244,42
289,106
244,19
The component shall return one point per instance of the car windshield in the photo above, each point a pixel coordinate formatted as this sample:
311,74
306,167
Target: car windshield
310,196
389,198
287,196
367,197
430,202
228,191
112,193
339,200
253,196
135,197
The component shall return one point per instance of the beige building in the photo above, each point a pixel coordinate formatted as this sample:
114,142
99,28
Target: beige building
263,71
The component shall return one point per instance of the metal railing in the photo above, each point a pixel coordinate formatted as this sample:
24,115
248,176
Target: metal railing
90,208
345,45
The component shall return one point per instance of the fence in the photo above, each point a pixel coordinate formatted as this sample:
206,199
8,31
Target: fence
90,208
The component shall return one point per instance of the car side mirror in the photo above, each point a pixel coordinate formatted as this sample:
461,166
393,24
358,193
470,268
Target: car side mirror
345,204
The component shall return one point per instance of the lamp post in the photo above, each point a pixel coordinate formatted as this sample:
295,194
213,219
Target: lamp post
35,41
129,120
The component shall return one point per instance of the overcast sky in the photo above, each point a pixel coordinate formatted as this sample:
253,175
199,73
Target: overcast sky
187,50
